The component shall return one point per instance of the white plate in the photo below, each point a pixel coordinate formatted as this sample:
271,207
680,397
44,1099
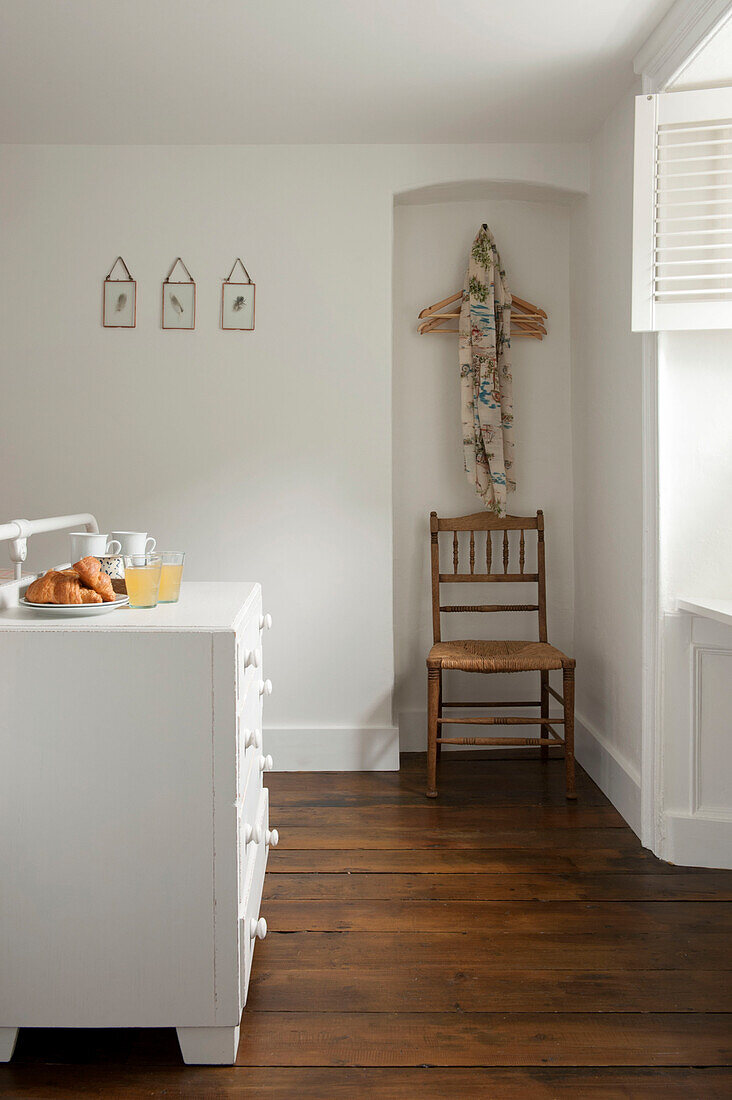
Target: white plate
72,610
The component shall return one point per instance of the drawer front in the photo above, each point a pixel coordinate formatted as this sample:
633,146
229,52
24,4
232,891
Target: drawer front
249,911
248,733
248,807
253,684
248,653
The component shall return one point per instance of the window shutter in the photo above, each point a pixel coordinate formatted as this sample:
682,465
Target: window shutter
682,211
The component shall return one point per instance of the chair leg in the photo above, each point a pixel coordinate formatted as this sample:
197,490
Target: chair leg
568,693
544,749
433,703
439,715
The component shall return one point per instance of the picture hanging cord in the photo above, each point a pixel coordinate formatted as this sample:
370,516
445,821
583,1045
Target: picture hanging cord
238,261
178,261
119,260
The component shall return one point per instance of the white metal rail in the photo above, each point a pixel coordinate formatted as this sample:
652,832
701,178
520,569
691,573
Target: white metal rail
18,531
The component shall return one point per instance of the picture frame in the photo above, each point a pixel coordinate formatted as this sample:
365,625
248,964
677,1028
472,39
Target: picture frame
179,300
119,299
238,301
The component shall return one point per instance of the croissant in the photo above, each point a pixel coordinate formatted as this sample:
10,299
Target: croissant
91,574
87,594
60,587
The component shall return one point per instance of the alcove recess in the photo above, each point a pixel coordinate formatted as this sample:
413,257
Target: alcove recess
433,230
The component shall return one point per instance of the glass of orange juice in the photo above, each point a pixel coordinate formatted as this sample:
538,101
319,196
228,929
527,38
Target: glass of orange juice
170,576
142,577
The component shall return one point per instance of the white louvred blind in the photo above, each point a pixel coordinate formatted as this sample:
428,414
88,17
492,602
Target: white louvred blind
682,211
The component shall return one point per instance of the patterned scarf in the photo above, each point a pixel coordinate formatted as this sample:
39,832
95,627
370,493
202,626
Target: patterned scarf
485,375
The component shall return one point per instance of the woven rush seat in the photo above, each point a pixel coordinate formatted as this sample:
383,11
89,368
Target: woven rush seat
497,656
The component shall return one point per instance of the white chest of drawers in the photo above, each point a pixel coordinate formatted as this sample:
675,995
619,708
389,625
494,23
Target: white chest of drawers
134,824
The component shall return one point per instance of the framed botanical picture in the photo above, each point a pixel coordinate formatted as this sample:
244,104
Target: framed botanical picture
119,299
237,302
179,300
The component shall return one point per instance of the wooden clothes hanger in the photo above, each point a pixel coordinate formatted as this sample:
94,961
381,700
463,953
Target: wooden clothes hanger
527,320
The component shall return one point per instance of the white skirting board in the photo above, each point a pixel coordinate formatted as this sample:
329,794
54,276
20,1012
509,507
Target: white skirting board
697,840
614,774
339,749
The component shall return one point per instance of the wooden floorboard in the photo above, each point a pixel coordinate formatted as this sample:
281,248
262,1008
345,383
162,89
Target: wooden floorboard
448,861
501,918
498,942
434,818
580,886
446,989
335,1083
485,1039
399,837
508,951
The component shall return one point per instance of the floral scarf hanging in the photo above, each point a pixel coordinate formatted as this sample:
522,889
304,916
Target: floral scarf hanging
485,375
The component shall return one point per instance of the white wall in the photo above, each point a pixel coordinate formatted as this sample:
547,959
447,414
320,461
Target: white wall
695,465
607,443
431,246
264,455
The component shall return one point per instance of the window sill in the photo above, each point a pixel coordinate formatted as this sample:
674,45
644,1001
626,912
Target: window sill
718,610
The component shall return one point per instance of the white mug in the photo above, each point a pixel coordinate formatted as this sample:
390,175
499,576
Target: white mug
134,542
85,543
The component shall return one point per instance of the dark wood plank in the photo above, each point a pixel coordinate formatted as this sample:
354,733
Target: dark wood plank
434,817
480,787
459,861
476,989
476,795
582,886
511,765
336,1083
485,1039
347,837
509,951
498,917
484,768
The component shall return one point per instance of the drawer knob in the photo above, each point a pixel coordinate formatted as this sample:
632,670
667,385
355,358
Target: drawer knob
265,687
254,658
253,739
256,833
258,928
271,838
265,622
251,833
266,763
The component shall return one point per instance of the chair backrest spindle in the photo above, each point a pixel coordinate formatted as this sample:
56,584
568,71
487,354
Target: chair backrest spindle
541,565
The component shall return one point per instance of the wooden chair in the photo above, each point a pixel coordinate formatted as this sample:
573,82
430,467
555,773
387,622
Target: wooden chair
495,656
